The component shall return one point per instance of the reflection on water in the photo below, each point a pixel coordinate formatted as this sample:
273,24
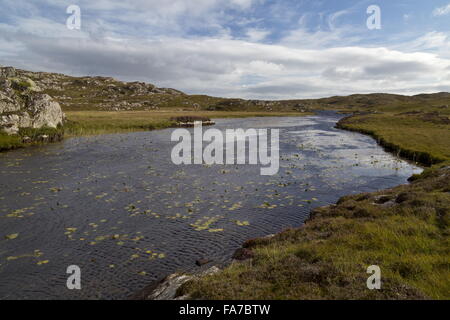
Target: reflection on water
117,207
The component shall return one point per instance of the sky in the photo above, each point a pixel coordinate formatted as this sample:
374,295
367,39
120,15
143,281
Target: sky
252,49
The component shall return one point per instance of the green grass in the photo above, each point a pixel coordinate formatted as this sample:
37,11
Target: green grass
103,122
10,142
408,136
329,256
81,123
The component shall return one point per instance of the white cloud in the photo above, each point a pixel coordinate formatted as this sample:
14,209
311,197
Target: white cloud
301,38
233,68
243,4
256,35
126,41
442,11
332,19
436,42
263,68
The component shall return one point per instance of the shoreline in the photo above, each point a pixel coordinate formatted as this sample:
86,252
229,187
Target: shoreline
170,284
421,158
159,123
74,129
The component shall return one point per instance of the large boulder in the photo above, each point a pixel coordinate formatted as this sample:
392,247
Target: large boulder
23,106
44,111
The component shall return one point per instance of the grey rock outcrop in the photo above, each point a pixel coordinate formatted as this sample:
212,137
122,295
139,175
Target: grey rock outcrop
44,111
7,72
22,105
167,288
7,104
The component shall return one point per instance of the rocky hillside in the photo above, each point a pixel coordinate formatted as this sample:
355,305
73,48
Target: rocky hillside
23,104
35,99
109,94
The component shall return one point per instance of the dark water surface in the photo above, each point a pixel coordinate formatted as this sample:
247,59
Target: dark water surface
117,207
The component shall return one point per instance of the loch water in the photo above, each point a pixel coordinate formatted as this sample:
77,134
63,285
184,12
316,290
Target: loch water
117,207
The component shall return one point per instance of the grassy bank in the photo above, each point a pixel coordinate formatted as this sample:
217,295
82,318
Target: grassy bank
418,137
8,142
80,123
102,122
29,136
404,230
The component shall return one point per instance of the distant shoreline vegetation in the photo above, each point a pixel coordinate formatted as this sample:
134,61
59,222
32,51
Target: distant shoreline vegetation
189,121
86,123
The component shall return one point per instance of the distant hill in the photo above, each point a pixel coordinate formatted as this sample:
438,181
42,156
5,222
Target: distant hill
109,94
